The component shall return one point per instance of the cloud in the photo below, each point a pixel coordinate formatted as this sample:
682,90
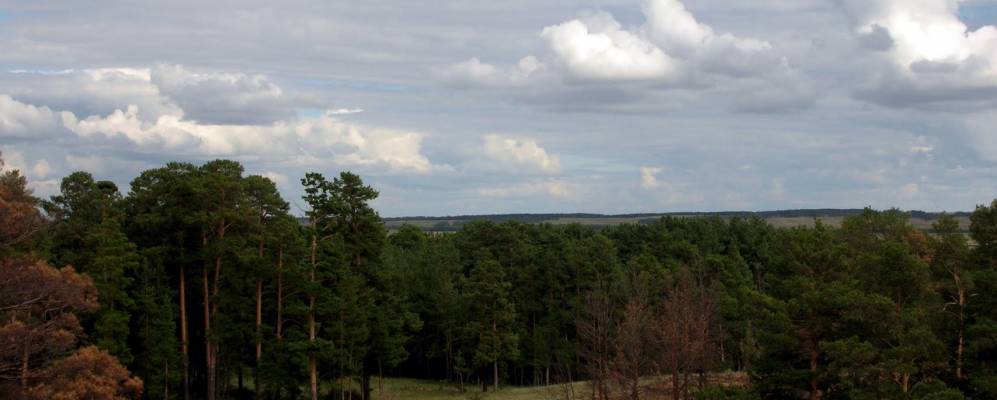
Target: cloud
321,138
910,190
86,163
649,177
197,114
839,153
777,191
90,91
524,154
550,188
41,169
16,160
276,177
163,90
25,121
667,193
12,160
609,53
931,57
222,98
670,51
345,111
670,46
473,72
980,135
672,27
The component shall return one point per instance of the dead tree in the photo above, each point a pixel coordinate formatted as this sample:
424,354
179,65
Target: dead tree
686,332
595,330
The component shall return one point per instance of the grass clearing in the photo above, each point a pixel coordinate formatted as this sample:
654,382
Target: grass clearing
415,389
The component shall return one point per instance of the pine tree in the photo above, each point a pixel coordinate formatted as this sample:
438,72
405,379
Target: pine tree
115,262
154,324
88,235
491,317
163,219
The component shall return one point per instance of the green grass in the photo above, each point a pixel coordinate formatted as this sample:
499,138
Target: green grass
414,389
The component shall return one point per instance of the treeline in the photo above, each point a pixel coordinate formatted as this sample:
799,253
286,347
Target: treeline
209,287
456,223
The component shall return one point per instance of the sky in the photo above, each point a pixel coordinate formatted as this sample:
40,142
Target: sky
452,107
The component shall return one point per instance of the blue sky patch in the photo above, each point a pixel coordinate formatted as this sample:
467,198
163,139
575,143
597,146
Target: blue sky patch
310,112
978,15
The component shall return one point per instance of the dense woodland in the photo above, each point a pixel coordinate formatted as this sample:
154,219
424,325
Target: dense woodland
200,282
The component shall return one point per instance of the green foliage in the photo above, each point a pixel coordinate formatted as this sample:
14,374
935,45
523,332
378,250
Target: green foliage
490,315
88,235
874,309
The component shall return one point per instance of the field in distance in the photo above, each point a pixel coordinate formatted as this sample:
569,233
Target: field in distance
781,219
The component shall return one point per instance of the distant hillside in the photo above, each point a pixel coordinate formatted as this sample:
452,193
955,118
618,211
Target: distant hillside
783,218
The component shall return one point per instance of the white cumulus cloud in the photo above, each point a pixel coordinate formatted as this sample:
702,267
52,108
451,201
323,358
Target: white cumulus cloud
609,53
323,137
522,153
25,121
671,49
931,56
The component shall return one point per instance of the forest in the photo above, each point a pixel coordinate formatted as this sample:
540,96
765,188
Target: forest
201,282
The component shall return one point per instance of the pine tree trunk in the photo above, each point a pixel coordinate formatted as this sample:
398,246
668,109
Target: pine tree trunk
364,380
676,393
960,348
280,292
259,337
259,312
814,391
24,367
208,353
166,380
184,341
312,367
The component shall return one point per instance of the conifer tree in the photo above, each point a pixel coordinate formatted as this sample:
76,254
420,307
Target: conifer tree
491,314
88,235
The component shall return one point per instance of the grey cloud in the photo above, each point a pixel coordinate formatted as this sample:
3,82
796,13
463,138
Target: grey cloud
947,93
222,98
89,91
877,39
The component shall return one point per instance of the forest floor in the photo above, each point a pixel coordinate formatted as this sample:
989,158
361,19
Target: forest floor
414,389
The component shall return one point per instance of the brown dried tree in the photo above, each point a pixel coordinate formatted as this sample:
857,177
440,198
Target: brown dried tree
37,303
38,325
19,216
635,346
90,373
686,332
595,330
